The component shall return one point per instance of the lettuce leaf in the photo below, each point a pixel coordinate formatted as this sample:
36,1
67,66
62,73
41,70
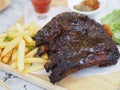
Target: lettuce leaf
111,18
113,21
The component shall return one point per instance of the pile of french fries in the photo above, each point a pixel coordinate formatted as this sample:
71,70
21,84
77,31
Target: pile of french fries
17,48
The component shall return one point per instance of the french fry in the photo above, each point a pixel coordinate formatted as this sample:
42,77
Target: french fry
30,44
13,34
27,65
26,50
29,26
27,38
23,26
32,26
1,39
19,28
33,69
31,30
34,60
18,53
45,56
3,35
7,57
31,53
24,34
14,65
14,55
12,29
4,44
21,50
0,53
10,46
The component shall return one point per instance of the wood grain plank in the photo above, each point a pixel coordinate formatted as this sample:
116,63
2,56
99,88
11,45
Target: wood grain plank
4,4
97,82
59,3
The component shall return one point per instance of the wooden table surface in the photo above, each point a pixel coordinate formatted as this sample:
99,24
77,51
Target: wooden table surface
100,82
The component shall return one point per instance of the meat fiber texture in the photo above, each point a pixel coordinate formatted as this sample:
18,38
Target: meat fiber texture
73,42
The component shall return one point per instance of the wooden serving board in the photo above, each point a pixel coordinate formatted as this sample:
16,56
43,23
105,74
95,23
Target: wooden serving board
4,4
97,82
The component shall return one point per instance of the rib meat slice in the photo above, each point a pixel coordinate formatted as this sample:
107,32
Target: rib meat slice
73,41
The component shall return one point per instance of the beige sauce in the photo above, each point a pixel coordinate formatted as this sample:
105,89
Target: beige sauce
88,5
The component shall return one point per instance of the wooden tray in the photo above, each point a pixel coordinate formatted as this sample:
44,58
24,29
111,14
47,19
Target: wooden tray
4,4
98,82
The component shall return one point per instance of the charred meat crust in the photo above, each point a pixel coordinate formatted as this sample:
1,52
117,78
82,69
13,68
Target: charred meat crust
73,41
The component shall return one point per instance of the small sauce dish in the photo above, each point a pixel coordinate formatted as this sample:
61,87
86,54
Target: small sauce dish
72,3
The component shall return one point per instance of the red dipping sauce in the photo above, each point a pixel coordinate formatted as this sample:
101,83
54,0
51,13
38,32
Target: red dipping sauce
41,6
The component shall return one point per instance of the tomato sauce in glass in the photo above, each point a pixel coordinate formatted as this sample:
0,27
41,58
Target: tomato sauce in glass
41,6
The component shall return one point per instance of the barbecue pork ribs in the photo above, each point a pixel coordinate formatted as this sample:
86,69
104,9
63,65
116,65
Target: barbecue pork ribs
73,41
